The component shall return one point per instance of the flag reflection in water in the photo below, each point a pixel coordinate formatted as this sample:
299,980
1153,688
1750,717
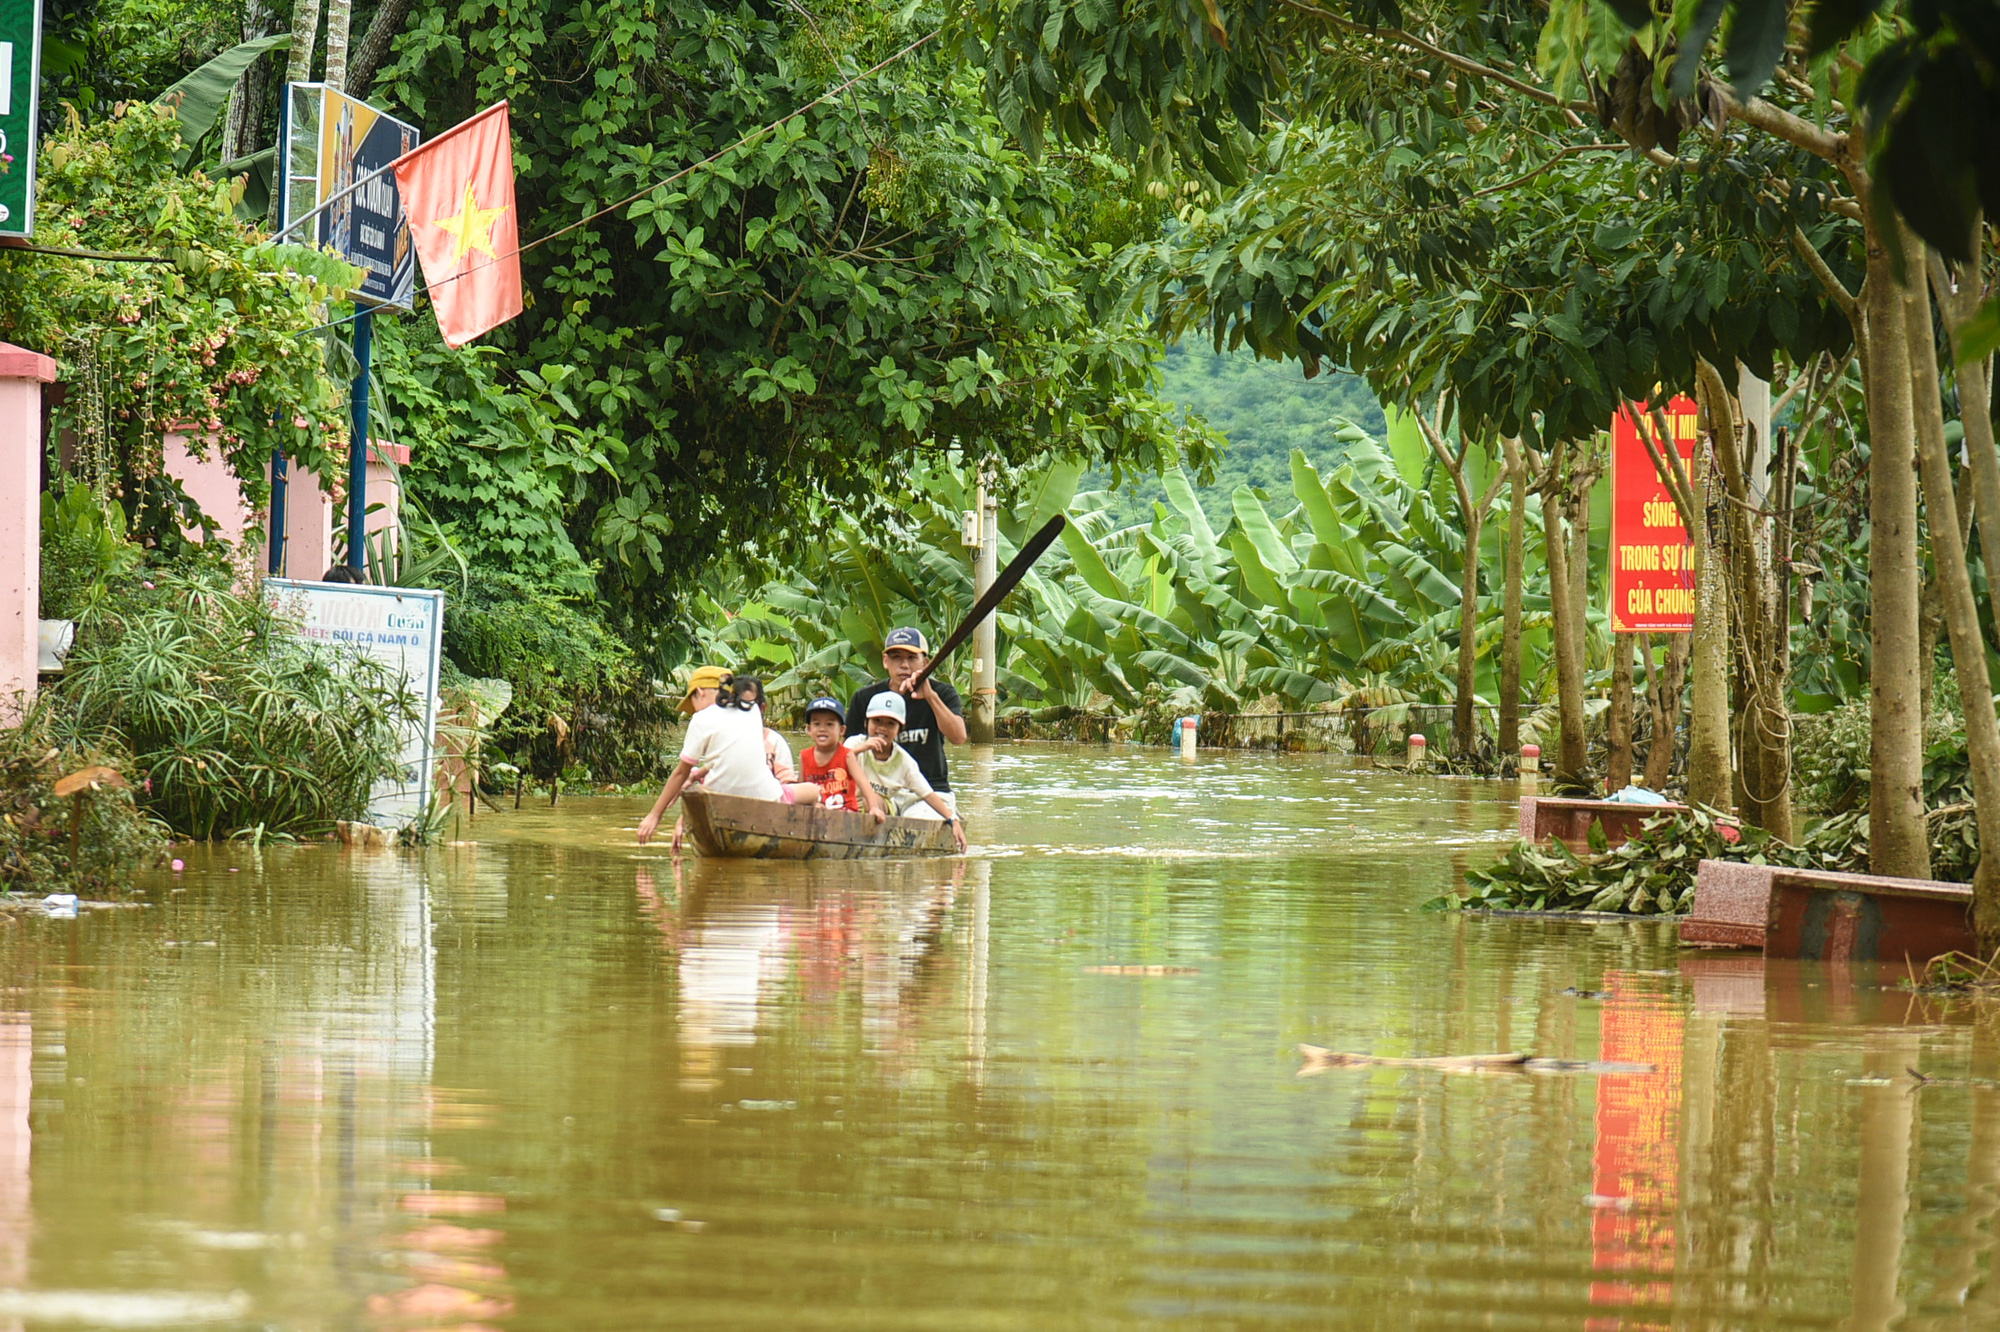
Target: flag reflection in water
1636,1175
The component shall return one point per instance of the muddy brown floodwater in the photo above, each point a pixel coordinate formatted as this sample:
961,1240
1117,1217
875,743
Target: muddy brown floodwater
551,1080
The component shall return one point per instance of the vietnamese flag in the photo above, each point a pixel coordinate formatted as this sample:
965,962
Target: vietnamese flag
458,192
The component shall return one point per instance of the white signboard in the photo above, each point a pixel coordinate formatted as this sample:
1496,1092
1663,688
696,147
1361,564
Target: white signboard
399,627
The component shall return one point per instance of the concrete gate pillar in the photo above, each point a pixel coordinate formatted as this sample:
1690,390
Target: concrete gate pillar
22,374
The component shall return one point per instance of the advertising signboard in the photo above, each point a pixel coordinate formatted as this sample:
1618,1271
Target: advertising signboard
331,141
20,82
1652,560
401,628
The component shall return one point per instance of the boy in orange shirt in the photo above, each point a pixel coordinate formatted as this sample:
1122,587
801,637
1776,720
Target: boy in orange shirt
833,767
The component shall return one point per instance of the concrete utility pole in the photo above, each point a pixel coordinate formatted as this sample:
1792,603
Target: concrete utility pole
979,710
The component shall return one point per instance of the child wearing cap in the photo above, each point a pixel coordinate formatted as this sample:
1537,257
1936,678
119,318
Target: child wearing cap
835,769
891,770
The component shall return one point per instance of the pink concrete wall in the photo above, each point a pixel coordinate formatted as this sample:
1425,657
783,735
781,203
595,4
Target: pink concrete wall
209,483
22,374
309,522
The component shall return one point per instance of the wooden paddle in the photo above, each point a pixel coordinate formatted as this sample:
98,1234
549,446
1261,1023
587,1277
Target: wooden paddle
1016,570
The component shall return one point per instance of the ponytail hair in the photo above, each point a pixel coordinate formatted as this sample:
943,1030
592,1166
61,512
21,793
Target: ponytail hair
740,691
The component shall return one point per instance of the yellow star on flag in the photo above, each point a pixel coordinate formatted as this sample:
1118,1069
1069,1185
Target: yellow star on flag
472,229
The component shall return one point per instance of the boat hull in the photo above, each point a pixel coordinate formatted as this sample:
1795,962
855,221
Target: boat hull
738,827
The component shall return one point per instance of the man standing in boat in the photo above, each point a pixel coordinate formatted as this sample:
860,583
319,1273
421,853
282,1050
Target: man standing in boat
936,717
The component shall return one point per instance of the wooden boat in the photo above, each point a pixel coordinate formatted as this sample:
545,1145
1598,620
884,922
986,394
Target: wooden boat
743,828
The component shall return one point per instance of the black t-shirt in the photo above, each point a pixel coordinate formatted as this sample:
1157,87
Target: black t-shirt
920,733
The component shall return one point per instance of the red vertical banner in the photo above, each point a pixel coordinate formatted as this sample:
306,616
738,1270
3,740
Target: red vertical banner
1636,1163
1652,560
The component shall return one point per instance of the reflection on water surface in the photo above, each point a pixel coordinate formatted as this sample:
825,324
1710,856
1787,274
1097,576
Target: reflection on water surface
553,1080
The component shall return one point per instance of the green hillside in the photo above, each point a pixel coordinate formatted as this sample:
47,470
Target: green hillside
1265,408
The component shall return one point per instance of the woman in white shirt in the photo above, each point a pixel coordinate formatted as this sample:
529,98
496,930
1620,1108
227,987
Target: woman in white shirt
777,750
726,741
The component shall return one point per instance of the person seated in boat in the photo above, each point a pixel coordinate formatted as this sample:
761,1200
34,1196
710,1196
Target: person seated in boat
893,771
725,740
833,767
936,715
777,749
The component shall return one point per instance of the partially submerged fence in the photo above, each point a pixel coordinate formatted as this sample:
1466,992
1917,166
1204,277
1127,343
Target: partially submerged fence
1383,729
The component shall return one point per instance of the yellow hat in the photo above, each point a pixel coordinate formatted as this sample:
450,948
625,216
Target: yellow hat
703,677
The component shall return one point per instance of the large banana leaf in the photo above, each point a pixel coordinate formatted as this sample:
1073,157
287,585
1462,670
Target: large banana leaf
1046,495
1263,534
1294,686
1319,511
1365,599
1204,549
1258,578
1091,568
199,98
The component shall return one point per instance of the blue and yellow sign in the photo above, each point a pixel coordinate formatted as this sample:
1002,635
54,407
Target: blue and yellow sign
332,141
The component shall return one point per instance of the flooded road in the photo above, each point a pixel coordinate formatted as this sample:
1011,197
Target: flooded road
551,1080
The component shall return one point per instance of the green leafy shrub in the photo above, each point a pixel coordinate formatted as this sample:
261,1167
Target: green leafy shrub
113,836
579,695
234,721
1654,872
84,551
215,337
1830,757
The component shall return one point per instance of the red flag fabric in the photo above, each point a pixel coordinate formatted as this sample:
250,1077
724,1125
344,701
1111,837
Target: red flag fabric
458,191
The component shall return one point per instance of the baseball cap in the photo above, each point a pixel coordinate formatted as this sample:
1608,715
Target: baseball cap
889,703
825,704
702,677
912,639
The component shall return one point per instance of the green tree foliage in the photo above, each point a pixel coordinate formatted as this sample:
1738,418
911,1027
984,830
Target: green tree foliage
579,697
501,461
215,336
1265,409
803,319
1343,590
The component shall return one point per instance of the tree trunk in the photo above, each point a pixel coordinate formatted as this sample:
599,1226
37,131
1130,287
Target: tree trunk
298,69
339,17
1961,609
1464,718
245,115
1618,760
1708,775
1573,753
1763,689
1898,841
1581,481
1960,294
373,50
1930,629
1510,624
1665,692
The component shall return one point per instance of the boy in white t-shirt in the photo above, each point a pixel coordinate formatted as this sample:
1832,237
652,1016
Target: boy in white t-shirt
893,772
726,741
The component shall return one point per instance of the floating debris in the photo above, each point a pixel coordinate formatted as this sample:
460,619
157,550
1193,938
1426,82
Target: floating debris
119,1308
1932,1080
1319,1059
1142,971
1573,993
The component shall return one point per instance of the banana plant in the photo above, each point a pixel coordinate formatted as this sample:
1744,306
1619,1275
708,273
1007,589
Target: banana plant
1345,591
